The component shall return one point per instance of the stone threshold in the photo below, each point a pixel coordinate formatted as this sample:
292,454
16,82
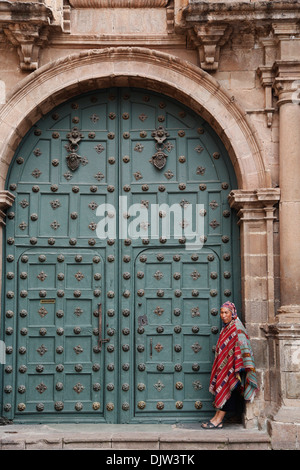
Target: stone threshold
130,437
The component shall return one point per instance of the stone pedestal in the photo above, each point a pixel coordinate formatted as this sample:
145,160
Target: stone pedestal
284,348
289,208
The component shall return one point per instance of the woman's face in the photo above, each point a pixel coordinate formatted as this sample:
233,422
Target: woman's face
226,315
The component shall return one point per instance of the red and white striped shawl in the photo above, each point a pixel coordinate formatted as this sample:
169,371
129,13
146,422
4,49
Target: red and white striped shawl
233,355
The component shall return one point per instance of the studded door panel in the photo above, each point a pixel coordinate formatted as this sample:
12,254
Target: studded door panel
116,326
59,360
170,157
174,337
60,275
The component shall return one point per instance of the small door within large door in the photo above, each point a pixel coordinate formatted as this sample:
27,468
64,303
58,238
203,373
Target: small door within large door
174,349
58,362
110,309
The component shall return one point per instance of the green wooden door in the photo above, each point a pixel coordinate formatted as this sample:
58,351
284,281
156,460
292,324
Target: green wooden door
108,316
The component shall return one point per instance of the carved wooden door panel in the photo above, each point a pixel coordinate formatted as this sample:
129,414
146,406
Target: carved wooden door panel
172,158
61,278
109,317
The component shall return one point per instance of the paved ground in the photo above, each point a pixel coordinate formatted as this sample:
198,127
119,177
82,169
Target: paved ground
122,436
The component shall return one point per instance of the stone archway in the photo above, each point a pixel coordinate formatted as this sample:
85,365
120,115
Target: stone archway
125,66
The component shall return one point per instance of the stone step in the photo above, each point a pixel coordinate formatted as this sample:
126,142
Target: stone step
130,437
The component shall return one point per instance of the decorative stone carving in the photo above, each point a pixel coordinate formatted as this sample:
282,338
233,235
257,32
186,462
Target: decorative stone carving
209,25
266,76
27,26
29,38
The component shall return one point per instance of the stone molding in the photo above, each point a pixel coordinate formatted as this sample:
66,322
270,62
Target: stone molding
238,12
84,41
118,3
132,66
6,201
256,213
209,25
282,330
289,314
18,12
28,38
258,198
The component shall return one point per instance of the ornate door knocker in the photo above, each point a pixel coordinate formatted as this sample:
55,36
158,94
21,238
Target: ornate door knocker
159,159
73,159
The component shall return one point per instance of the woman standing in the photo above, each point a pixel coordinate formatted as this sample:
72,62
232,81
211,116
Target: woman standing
233,370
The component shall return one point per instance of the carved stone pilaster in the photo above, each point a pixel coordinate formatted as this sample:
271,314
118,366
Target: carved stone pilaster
287,81
287,88
256,213
255,210
266,75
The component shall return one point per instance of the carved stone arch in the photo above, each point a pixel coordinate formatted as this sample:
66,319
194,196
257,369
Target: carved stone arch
55,82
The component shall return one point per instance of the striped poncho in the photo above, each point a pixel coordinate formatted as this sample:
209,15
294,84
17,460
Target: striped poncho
233,365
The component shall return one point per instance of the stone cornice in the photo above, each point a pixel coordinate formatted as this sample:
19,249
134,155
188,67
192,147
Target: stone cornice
231,12
6,201
210,24
16,12
208,39
287,81
27,26
118,3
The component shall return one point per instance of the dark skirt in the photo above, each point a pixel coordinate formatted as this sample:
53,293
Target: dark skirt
234,402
